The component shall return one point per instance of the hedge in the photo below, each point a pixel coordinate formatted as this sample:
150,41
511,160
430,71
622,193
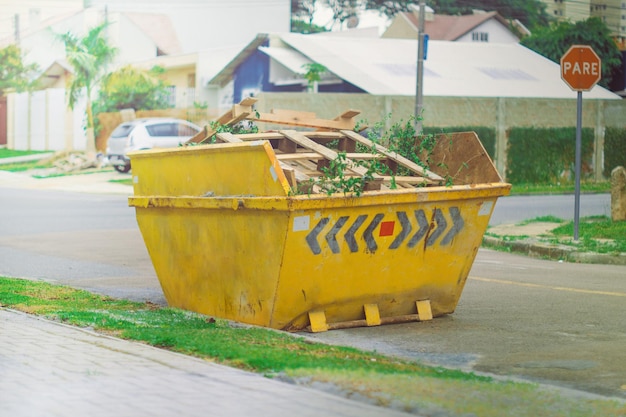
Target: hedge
614,149
546,155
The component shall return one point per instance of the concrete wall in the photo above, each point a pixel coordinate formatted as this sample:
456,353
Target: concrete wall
500,113
41,121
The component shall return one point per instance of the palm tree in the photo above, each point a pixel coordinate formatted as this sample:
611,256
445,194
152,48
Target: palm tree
89,57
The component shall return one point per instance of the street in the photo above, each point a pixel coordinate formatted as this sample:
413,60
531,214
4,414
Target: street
558,323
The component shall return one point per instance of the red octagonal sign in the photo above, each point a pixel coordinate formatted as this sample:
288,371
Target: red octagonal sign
581,67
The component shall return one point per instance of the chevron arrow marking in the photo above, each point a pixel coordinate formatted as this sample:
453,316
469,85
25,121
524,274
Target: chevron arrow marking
311,238
349,236
368,234
406,229
457,225
424,226
441,227
331,236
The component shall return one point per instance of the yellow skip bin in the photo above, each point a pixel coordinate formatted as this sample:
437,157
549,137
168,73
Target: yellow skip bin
229,237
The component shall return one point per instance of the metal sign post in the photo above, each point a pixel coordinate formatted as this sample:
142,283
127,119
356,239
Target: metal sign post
581,70
579,116
419,82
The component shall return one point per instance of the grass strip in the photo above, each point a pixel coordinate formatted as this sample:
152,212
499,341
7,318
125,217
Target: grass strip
560,188
599,234
251,348
385,381
11,153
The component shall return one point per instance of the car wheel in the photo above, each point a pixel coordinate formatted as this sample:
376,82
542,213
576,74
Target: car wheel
122,168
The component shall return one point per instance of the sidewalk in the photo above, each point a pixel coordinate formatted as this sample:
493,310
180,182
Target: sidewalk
536,241
94,183
50,369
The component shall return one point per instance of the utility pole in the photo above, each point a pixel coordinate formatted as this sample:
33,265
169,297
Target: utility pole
419,82
16,24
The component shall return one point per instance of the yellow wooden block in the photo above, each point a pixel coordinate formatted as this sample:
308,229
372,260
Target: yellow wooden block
372,315
318,321
423,310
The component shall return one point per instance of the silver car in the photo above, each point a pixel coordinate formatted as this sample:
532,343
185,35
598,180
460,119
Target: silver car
148,133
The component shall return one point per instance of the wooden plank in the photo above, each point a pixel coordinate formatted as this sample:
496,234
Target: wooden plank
324,135
287,146
200,136
299,155
248,101
260,136
315,155
227,137
407,180
304,122
348,114
329,154
290,174
392,155
294,114
298,174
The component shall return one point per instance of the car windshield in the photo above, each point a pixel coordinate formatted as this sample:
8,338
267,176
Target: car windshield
171,129
122,130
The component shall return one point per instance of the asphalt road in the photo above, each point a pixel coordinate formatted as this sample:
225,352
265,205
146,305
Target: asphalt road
559,323
514,209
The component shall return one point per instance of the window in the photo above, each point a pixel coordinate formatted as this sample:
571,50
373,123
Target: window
185,130
171,95
480,37
162,129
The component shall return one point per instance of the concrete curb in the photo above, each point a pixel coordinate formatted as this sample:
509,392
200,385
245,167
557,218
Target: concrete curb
537,249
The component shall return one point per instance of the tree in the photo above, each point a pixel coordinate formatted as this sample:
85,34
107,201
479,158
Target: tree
553,41
531,13
89,57
313,74
132,88
302,12
14,73
389,8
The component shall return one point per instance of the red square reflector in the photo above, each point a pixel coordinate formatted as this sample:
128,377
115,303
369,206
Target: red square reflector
386,228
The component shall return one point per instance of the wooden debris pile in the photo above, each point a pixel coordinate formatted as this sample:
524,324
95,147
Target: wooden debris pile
305,157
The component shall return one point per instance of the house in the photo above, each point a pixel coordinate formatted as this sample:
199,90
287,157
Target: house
383,66
151,35
20,17
56,75
478,27
201,24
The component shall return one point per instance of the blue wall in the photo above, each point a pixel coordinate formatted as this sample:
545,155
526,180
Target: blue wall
252,77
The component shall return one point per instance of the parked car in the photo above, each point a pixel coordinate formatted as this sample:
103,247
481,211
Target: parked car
147,133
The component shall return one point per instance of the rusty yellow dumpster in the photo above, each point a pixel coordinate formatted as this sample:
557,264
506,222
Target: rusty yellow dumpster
230,236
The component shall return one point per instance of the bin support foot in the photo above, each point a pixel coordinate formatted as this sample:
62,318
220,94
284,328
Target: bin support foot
318,321
424,311
372,315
